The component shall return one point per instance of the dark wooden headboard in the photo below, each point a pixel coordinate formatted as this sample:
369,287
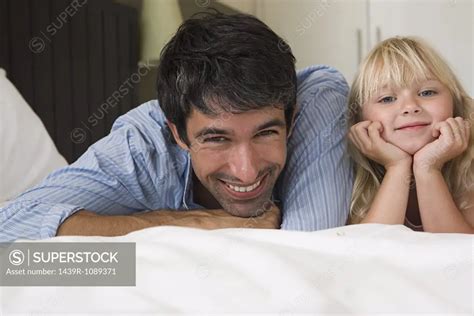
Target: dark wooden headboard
75,63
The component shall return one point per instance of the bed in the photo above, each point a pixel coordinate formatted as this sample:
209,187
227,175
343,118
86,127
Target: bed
352,270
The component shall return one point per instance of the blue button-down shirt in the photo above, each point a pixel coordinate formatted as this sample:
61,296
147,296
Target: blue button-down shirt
136,167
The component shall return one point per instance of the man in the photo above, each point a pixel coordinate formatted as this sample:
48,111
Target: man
209,152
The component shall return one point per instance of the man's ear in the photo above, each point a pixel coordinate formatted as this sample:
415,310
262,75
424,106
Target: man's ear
292,121
174,131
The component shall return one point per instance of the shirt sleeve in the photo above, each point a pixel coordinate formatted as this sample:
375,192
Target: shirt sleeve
316,186
119,174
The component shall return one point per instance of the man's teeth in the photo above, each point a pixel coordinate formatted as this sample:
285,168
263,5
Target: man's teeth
244,189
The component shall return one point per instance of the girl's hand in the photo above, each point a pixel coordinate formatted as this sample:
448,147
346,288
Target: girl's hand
453,139
366,137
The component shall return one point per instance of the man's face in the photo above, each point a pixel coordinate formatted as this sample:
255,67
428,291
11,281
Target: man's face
238,157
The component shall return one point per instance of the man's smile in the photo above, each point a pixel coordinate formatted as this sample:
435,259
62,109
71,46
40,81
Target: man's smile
245,192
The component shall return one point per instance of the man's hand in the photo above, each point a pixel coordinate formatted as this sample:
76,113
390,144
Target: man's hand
366,137
452,140
87,223
267,217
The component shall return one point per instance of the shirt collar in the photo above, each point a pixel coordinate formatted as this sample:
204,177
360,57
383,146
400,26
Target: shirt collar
188,196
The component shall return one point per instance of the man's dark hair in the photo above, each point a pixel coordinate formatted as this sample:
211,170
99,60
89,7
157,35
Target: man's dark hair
217,62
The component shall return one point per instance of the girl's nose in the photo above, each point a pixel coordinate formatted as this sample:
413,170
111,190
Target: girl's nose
411,106
414,111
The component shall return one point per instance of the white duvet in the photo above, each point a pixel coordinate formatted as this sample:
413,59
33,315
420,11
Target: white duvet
356,269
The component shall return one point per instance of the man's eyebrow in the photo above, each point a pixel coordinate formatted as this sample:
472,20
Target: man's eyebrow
211,131
272,123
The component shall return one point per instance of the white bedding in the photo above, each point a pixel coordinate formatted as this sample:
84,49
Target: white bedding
348,270
27,152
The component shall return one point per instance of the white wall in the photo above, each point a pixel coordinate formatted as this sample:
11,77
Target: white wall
245,6
447,25
159,20
340,32
326,31
331,32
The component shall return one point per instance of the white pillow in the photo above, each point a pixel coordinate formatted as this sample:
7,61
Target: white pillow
27,153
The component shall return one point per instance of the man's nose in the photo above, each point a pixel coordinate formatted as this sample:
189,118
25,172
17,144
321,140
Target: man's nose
410,105
243,163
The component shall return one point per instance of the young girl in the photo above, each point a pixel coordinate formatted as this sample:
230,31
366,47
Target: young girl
411,140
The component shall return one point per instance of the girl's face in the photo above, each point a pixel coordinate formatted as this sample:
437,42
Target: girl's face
409,114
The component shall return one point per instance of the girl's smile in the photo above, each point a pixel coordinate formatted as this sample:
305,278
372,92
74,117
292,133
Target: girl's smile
415,126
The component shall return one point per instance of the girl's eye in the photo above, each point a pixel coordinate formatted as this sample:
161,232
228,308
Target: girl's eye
387,99
427,93
217,139
267,133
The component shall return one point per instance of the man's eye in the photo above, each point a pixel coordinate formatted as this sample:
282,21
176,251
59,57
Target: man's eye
217,139
387,99
427,93
268,133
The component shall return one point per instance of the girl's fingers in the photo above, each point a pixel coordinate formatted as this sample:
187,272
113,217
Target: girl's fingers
446,132
436,130
361,134
374,131
457,126
355,139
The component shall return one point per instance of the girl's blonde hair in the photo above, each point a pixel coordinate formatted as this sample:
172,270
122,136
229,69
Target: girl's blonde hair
399,62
